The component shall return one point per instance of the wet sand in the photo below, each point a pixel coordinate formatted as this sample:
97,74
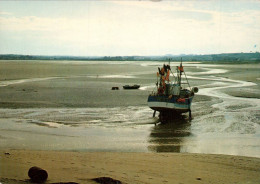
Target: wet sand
245,72
59,107
138,168
65,84
45,84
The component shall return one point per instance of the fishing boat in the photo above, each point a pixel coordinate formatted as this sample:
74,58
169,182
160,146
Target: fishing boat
131,87
174,97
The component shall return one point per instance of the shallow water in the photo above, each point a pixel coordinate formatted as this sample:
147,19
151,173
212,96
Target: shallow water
221,124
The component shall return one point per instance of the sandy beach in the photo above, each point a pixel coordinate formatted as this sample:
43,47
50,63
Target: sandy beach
63,117
138,168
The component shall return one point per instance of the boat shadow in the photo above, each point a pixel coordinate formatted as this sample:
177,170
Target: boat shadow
169,137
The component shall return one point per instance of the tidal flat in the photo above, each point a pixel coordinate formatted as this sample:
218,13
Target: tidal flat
69,105
64,117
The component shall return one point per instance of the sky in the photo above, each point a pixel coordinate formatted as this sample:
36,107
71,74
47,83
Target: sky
129,27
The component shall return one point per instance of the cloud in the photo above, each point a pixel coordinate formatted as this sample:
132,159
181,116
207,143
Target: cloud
33,23
124,28
174,9
5,13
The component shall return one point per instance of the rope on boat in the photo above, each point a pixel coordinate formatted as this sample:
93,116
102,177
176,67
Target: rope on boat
187,79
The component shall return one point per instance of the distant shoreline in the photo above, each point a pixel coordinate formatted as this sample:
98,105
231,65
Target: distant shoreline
225,58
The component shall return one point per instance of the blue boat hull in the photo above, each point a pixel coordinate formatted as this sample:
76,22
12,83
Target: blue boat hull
174,104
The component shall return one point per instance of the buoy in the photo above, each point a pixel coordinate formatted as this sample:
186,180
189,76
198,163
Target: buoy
195,90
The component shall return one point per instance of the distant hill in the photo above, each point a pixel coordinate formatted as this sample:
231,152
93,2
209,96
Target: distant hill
228,57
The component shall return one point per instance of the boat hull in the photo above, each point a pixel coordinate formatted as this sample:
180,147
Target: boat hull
166,104
131,87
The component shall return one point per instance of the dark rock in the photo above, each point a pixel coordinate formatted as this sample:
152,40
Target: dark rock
37,174
106,180
65,183
198,178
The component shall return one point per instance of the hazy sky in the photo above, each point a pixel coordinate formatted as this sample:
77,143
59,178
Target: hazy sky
97,28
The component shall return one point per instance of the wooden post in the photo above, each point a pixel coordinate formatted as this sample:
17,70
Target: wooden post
154,112
190,114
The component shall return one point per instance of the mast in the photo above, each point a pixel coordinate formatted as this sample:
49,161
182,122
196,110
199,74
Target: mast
180,69
179,73
169,69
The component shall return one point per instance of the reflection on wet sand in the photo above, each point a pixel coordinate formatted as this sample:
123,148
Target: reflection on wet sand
168,137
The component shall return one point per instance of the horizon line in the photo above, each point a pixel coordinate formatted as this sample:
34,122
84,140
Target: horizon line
163,55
